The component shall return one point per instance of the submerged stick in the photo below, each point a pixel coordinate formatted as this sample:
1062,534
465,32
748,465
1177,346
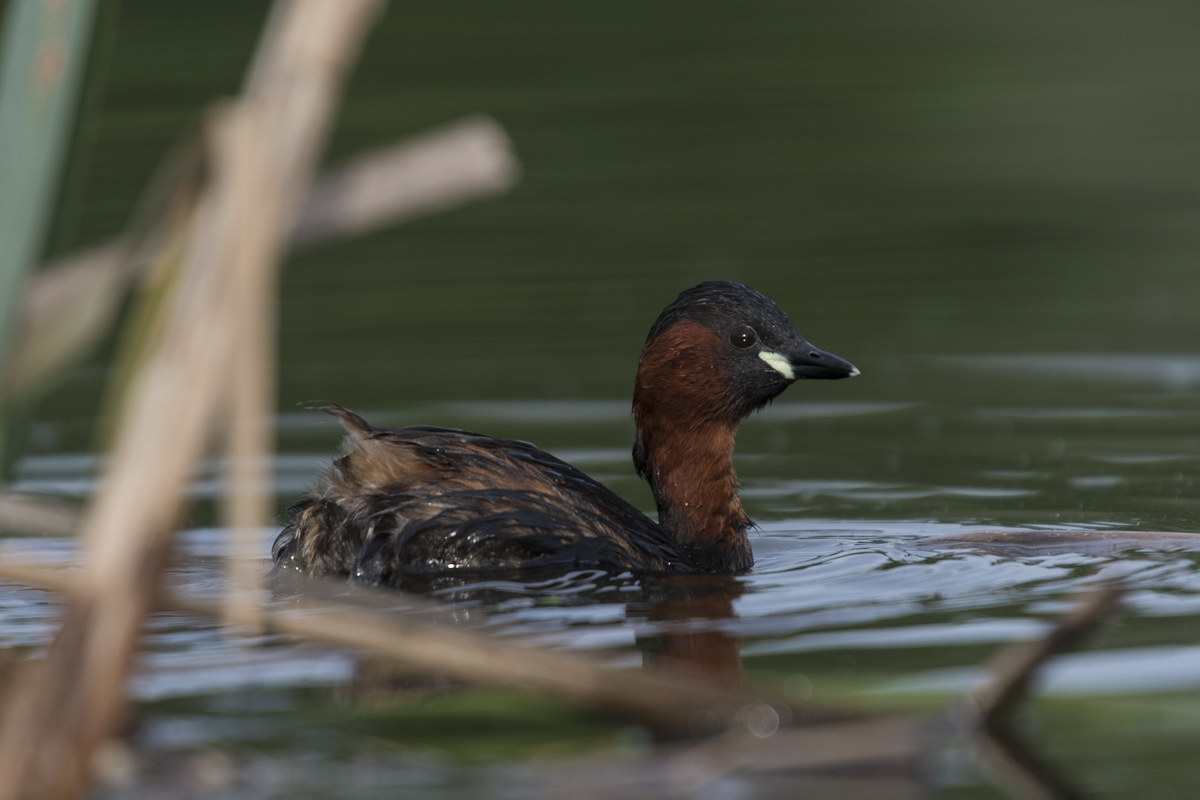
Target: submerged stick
1018,771
991,705
986,713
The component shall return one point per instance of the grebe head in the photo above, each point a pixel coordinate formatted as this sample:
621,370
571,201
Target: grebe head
716,354
721,351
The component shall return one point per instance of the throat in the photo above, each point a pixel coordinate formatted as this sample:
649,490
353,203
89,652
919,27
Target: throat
691,473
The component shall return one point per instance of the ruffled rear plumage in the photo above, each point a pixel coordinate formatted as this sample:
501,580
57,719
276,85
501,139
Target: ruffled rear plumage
420,500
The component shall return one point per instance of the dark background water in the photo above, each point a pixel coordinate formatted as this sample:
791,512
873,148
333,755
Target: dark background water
907,179
991,209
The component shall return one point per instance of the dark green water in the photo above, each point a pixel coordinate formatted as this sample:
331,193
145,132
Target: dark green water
993,210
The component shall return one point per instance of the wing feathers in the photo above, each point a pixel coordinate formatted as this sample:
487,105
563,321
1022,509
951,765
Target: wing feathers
422,500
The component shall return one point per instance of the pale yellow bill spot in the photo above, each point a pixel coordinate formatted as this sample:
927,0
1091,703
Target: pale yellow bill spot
779,363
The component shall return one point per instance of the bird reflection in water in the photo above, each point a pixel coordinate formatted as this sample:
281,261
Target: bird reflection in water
688,627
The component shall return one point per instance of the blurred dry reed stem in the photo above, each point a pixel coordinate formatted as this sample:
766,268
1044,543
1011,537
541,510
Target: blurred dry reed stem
68,306
30,514
433,172
71,303
263,149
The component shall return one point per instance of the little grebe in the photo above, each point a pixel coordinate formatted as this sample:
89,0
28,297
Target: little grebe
404,502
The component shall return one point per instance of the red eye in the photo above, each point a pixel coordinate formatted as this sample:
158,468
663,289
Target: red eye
743,336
